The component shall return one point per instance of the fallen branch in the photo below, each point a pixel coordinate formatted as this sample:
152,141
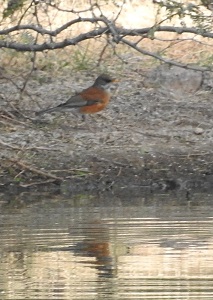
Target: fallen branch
27,148
10,146
34,170
26,185
14,120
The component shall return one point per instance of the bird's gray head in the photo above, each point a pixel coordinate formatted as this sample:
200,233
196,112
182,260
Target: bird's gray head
104,80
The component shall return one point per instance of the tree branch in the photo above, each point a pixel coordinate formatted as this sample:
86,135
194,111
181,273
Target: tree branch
42,30
117,32
165,60
51,45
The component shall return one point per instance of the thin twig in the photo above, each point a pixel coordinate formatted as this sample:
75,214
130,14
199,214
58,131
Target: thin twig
25,185
34,170
9,145
14,120
165,60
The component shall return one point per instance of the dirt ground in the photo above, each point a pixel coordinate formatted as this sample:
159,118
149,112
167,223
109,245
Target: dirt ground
157,132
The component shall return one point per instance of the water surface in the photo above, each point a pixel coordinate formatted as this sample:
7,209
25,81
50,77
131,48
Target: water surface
89,247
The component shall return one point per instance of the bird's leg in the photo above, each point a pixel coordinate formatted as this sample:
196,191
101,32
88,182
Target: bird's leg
83,118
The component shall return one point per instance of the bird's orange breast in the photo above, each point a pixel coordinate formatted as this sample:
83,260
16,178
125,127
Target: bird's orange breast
92,94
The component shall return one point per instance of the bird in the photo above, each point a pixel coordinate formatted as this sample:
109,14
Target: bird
91,100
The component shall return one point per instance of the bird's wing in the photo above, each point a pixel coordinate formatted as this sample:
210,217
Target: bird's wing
87,97
78,101
94,95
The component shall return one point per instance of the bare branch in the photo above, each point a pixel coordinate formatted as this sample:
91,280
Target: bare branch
72,10
25,166
117,33
56,45
165,60
42,30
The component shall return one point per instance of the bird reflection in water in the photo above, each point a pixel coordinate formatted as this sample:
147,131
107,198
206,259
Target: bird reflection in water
96,245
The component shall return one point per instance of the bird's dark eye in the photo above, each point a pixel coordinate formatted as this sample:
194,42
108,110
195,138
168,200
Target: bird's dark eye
108,79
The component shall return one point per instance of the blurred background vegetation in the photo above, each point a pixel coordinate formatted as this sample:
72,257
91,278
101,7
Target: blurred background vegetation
86,35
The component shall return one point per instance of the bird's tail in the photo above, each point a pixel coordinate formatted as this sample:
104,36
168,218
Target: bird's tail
48,110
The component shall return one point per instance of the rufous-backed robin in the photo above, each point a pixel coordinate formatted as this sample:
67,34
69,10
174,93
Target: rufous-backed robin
89,101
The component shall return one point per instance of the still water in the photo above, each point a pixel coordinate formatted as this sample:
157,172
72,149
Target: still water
88,247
